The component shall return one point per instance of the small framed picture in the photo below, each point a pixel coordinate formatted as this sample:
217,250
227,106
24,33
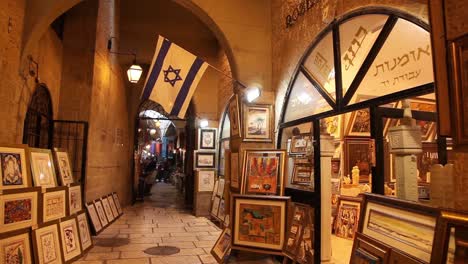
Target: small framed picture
117,203
46,243
235,178
107,209
303,174
64,166
220,189
205,180
19,208
258,122
15,247
100,212
69,236
222,246
112,205
54,204
42,164
74,198
215,206
207,138
222,209
347,218
205,160
234,116
85,234
14,167
296,224
93,216
300,144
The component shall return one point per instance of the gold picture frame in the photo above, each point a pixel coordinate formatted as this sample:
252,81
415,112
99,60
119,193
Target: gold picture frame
16,245
54,204
70,240
93,216
303,174
222,246
42,167
15,170
258,122
347,217
19,209
64,166
234,116
300,144
74,199
85,234
101,213
117,203
46,243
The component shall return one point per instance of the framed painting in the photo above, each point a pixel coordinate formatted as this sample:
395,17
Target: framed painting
54,204
359,121
42,164
263,172
305,254
215,206
74,198
296,223
258,122
259,223
347,217
223,153
403,225
367,250
205,180
93,216
15,247
204,160
303,174
46,243
64,166
112,205
451,241
70,240
18,209
299,144
14,167
220,189
234,116
107,209
100,212
215,189
459,63
222,246
222,209
207,138
235,179
85,234
356,153
117,203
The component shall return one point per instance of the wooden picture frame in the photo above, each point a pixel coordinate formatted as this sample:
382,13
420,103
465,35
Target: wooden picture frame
15,245
42,167
215,189
235,174
85,234
359,123
204,180
15,169
101,213
215,207
222,209
19,208
303,174
356,152
74,198
207,138
258,122
204,160
305,253
300,144
107,209
117,203
459,69
54,204
112,205
347,217
297,221
451,241
220,189
263,172
94,218
268,210
367,250
222,246
46,243
234,117
70,239
64,168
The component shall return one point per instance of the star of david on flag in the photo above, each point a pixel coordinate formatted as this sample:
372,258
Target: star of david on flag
173,77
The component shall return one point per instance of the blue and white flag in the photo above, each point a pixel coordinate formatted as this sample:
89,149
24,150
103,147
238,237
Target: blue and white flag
173,77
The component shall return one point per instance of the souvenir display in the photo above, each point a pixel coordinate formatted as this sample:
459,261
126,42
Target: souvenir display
42,164
222,246
70,240
263,172
15,247
64,167
112,206
296,224
107,209
207,138
101,213
117,203
234,116
54,204
205,180
93,215
303,174
220,189
204,160
299,144
258,123
85,235
18,209
46,242
347,217
14,168
235,179
215,207
74,198
259,222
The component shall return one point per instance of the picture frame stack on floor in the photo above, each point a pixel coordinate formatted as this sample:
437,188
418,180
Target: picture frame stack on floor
103,211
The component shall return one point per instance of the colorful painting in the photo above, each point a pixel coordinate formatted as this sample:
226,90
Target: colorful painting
85,236
43,170
107,209
347,218
257,122
302,174
262,172
235,184
47,246
70,241
14,172
205,180
101,213
234,116
18,210
74,198
54,204
207,138
94,217
16,249
64,166
222,245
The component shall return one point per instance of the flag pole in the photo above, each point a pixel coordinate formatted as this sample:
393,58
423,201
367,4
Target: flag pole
226,75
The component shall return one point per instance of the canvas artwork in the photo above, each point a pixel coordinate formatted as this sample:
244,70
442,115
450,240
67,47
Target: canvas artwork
205,160
259,221
235,183
117,203
43,170
257,122
54,205
64,167
94,217
299,144
74,198
18,210
85,236
234,116
47,244
70,240
207,138
16,249
101,213
113,208
220,189
206,180
107,209
302,174
222,245
14,168
262,172
347,218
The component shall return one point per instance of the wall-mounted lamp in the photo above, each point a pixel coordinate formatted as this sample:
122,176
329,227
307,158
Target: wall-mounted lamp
135,71
152,131
203,123
252,94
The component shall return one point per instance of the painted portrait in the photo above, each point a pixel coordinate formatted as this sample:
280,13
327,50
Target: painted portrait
235,182
16,249
14,168
302,174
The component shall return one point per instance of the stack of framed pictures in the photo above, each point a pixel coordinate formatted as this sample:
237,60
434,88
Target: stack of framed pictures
103,211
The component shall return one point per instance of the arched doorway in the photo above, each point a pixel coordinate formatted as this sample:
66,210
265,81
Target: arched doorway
38,124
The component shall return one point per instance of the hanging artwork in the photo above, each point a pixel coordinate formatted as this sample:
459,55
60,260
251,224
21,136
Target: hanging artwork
74,198
64,167
222,246
259,222
258,123
300,144
263,172
16,249
14,168
347,218
234,116
207,138
42,164
235,181
18,209
101,213
204,160
117,203
113,208
54,204
46,242
205,180
107,209
93,215
303,174
85,236
71,248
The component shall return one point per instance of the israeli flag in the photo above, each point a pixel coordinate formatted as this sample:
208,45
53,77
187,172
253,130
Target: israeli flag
173,77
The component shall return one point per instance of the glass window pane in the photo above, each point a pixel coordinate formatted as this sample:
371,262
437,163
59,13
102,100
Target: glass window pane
321,65
226,129
304,100
357,36
404,62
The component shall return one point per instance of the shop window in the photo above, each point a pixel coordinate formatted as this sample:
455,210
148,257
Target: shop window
37,131
224,136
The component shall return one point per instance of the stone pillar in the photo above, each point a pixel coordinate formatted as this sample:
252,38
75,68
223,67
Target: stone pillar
327,149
